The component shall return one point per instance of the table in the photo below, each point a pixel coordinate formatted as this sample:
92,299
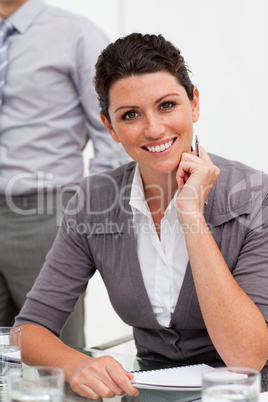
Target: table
131,363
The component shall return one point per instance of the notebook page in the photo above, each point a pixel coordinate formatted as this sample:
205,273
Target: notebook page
185,376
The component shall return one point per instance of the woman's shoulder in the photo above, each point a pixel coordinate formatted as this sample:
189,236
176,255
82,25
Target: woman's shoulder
233,172
110,179
102,195
239,189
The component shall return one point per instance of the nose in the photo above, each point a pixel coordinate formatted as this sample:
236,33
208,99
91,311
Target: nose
154,127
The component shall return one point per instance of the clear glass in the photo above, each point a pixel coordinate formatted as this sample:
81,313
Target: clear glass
231,384
10,355
36,384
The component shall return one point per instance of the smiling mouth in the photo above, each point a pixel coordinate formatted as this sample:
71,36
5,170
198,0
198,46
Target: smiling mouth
160,148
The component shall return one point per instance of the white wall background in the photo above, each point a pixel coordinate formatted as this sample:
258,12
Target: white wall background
225,46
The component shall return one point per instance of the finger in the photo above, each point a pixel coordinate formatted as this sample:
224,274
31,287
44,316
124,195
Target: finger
124,382
181,180
194,152
96,382
108,387
118,379
184,170
190,157
190,163
96,389
202,154
113,380
85,391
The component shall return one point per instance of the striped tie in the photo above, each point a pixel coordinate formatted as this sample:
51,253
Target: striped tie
6,29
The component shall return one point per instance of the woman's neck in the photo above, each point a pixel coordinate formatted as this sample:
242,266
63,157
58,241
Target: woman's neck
159,192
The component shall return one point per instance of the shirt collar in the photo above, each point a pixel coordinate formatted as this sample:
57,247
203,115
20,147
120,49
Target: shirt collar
137,198
22,18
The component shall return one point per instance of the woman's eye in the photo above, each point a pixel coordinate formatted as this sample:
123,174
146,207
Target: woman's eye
167,105
130,115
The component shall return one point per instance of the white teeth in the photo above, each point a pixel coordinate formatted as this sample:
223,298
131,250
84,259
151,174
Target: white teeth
160,148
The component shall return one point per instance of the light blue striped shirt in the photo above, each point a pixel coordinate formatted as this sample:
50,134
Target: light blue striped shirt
50,108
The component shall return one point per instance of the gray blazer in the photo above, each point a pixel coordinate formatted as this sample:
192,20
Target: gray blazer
97,233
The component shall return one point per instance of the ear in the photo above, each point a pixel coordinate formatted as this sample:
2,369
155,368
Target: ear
195,106
109,128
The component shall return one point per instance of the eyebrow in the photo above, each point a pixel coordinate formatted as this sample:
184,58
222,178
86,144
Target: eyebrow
137,107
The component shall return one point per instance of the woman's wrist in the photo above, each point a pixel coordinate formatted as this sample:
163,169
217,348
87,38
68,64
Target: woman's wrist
194,224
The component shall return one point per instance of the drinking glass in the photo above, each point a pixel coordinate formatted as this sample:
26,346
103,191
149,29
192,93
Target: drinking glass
10,355
231,384
36,384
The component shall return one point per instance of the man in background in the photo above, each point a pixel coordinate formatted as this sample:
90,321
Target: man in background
48,112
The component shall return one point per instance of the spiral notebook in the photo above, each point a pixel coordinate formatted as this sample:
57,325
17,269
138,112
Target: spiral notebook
182,378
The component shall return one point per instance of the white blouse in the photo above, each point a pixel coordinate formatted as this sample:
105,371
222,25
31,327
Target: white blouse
163,261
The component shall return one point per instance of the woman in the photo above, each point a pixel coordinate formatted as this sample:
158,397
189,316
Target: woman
179,239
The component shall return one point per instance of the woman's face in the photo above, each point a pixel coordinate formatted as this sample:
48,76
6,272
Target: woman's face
152,116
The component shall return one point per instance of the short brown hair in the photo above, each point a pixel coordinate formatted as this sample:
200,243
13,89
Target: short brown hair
138,54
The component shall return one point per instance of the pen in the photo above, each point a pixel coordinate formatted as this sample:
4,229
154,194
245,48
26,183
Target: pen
197,146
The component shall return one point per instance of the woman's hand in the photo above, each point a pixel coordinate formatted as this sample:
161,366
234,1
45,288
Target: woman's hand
195,177
90,377
102,377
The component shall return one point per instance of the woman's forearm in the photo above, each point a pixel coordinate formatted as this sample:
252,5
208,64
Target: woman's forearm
235,324
41,347
90,377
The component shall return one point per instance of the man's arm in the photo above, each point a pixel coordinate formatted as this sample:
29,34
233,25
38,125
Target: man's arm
107,153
